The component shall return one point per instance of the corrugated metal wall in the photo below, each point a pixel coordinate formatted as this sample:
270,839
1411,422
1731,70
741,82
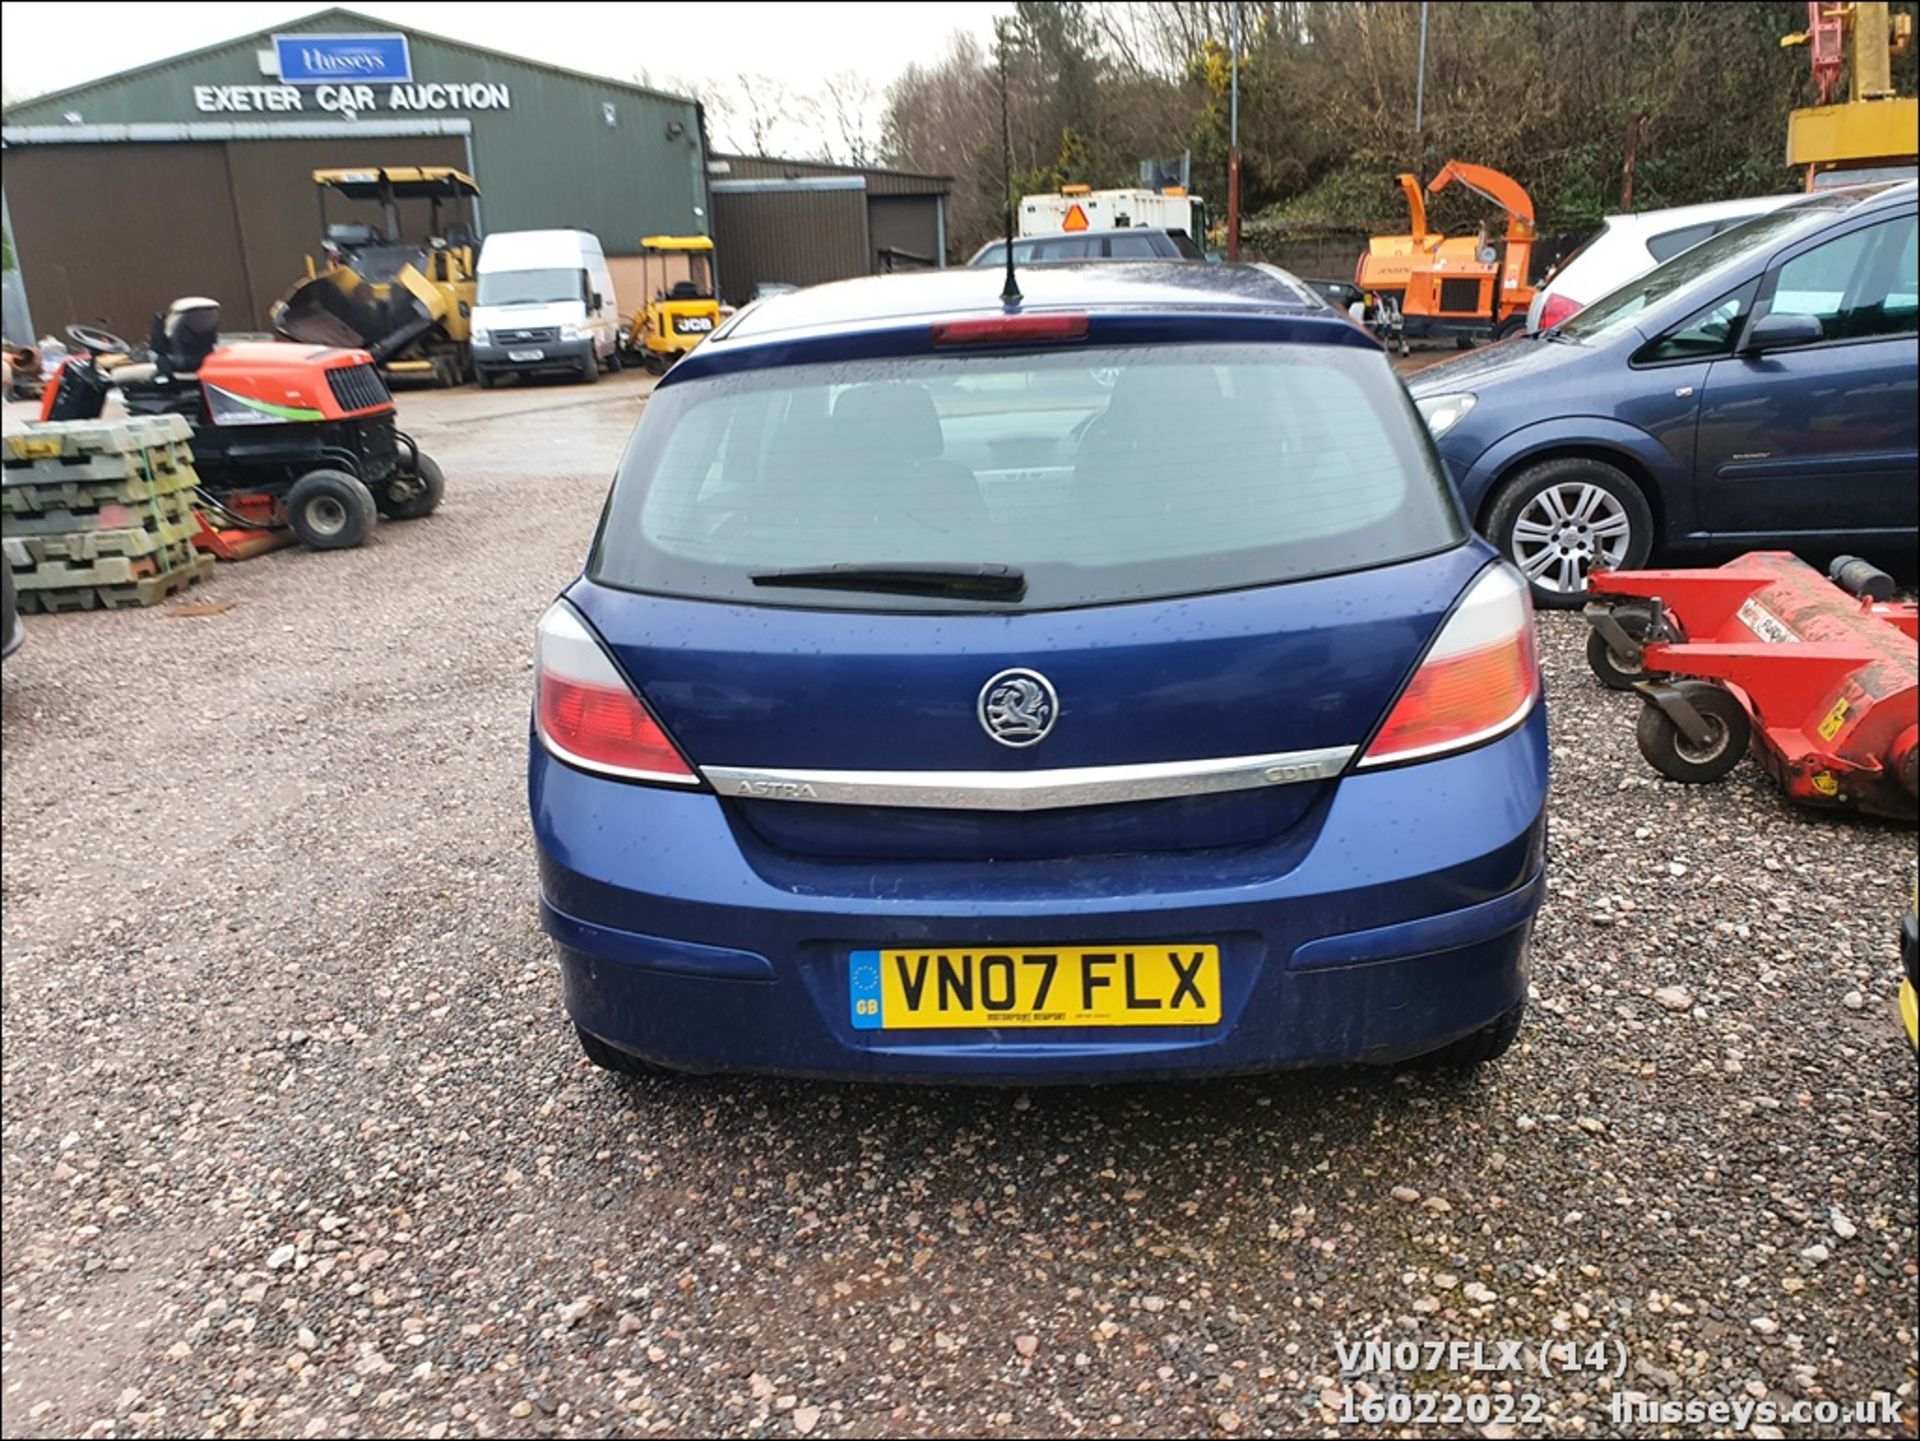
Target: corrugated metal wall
907,226
797,237
101,233
234,220
756,215
879,181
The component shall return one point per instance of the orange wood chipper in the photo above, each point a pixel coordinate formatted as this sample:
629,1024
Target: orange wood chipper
1425,285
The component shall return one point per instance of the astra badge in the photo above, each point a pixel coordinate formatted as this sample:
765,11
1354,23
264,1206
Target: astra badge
1018,707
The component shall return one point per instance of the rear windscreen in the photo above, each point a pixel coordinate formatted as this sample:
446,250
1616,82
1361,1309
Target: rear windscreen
1101,474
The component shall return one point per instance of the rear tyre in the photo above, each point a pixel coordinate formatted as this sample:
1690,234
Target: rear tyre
1510,327
410,496
1636,619
330,510
1560,519
1669,750
612,1058
1489,1043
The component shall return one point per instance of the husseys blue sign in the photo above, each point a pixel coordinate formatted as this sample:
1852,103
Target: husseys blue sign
329,59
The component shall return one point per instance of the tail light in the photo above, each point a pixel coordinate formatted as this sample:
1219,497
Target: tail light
1556,308
1479,679
586,713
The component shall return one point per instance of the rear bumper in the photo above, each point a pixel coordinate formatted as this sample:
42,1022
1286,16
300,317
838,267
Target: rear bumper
555,355
1402,927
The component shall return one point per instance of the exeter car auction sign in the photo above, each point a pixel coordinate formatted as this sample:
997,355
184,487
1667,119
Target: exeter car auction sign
348,76
351,100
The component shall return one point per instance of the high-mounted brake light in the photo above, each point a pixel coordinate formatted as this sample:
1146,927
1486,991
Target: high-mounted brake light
1010,330
1556,308
586,713
1479,680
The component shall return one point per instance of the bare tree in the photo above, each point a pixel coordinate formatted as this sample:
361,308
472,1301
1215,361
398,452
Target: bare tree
846,105
944,119
748,112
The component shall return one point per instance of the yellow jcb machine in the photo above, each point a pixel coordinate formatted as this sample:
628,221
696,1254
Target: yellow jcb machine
682,309
405,299
1871,134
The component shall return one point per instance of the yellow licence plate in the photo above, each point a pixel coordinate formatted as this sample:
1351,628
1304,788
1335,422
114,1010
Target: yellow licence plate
1175,985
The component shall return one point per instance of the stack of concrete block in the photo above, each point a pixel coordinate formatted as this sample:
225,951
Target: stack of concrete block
100,513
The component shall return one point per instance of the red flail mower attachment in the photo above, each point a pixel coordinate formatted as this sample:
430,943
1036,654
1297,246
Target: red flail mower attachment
1822,676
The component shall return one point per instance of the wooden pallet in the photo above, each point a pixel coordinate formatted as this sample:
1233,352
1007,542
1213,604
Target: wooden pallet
147,590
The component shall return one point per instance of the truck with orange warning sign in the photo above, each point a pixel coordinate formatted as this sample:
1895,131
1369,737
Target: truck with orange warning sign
1081,207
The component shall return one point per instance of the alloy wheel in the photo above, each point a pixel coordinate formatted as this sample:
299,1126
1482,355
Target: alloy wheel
1568,529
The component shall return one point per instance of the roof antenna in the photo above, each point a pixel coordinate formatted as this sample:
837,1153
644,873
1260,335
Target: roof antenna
1010,292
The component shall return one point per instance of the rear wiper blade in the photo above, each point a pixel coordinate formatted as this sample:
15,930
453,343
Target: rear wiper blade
984,582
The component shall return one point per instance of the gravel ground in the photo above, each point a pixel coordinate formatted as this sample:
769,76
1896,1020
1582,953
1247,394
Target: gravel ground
297,1140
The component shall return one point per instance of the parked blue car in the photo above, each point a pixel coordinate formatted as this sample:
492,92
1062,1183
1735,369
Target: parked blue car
1757,390
1100,686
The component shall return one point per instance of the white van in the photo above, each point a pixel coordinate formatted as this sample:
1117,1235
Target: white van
544,302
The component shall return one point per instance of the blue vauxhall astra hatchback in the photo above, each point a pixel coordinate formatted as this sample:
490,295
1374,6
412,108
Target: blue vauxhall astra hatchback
1100,685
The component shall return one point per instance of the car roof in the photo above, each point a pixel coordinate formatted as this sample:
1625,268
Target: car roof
833,318
1816,210
966,290
1084,234
999,242
1647,222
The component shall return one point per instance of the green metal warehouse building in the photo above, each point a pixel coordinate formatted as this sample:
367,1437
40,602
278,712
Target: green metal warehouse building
192,176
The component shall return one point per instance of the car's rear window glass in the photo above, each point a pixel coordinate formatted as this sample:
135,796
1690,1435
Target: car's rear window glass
1670,243
1183,243
1102,474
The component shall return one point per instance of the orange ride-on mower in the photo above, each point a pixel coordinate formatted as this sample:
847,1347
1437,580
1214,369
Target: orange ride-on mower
284,435
1822,676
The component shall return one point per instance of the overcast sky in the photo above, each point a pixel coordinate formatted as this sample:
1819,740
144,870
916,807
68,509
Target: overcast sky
672,44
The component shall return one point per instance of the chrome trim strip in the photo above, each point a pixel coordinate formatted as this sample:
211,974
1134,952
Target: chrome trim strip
1030,790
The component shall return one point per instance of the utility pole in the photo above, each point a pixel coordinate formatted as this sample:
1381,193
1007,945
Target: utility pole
1233,144
1420,100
